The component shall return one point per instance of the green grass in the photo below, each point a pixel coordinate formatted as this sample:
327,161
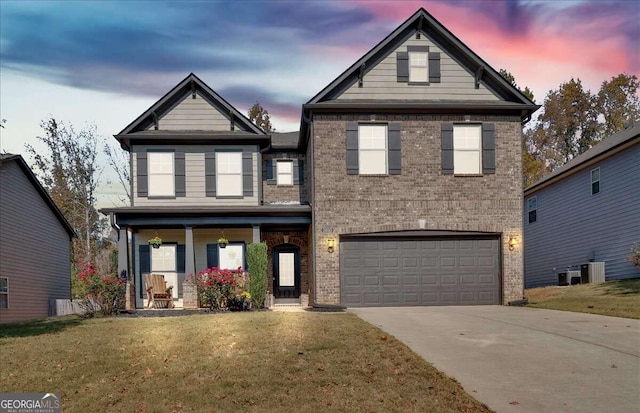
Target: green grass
613,298
250,362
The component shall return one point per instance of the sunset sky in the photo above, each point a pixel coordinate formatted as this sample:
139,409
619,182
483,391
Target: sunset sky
105,62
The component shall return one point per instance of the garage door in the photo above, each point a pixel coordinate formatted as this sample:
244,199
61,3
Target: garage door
392,272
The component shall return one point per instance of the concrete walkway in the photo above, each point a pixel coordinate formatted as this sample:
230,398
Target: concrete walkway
523,359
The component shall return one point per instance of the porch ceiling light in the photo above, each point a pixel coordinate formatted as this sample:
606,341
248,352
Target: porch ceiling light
512,242
331,245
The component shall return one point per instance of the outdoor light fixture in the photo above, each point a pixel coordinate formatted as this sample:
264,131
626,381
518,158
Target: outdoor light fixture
331,244
512,242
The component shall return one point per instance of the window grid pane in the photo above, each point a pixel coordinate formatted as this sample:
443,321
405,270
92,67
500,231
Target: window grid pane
231,257
466,149
372,149
160,172
284,172
418,67
163,259
229,173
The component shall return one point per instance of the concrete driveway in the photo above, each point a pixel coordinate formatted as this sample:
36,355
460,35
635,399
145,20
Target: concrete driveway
523,359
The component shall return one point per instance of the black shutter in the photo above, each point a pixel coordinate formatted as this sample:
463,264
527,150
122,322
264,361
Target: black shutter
402,59
181,190
141,174
352,148
180,258
212,255
145,259
447,148
271,172
434,67
395,149
298,172
210,173
247,174
488,148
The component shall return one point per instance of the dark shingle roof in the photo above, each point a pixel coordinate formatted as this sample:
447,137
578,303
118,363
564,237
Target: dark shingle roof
285,140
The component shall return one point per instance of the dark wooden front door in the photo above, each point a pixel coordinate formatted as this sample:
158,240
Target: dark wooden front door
286,272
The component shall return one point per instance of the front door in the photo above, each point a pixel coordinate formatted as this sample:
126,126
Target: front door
286,272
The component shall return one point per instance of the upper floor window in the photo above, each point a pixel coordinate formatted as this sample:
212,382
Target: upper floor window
4,292
595,181
418,67
532,207
467,159
161,174
229,173
284,172
372,149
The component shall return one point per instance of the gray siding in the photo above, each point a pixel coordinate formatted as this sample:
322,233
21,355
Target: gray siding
574,226
195,114
36,271
195,177
456,82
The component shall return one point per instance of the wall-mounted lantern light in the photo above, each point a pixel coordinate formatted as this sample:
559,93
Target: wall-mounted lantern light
512,242
331,245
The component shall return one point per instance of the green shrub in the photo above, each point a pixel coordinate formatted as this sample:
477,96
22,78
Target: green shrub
258,280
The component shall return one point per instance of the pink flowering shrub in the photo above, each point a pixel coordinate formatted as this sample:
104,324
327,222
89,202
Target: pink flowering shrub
217,287
100,293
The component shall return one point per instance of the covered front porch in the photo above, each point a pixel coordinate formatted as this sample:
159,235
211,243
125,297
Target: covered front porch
190,244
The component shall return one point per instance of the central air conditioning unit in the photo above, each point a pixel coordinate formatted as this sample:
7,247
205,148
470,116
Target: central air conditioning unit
574,277
592,272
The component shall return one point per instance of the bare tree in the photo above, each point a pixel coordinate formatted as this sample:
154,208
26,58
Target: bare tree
119,161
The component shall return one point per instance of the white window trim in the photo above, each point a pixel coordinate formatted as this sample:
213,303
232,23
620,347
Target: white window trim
219,175
278,174
425,67
593,182
175,259
5,293
223,250
466,150
386,149
170,176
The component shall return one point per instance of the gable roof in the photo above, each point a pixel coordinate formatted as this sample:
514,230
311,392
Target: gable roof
608,147
189,84
7,157
423,21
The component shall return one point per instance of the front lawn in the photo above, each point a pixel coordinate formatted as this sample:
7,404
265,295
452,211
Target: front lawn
260,361
613,298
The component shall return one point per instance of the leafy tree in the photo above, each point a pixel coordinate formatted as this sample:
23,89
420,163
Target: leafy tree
533,166
70,174
618,102
119,161
260,116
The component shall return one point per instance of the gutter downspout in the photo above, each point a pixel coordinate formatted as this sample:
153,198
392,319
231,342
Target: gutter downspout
312,243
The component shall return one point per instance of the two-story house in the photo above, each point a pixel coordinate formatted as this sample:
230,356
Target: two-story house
402,187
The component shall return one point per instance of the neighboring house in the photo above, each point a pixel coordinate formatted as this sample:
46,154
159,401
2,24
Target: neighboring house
35,242
402,187
587,210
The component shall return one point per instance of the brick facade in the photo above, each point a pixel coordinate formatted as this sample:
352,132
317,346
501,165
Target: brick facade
344,204
301,240
283,193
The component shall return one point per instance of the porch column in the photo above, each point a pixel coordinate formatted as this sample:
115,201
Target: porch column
256,234
123,269
189,252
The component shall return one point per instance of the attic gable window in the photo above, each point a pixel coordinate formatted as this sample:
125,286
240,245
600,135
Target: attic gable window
418,68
